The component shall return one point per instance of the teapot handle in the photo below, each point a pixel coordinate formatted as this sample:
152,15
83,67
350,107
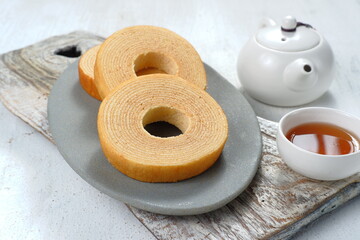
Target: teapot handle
266,22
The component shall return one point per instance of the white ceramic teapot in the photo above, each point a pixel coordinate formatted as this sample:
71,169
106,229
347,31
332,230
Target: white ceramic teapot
286,65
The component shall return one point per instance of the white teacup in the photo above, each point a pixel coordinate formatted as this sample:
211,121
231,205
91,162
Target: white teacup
314,165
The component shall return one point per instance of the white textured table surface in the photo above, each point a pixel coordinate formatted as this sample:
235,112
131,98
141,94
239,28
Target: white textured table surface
41,197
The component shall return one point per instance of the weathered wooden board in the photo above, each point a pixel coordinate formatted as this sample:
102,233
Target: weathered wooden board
276,205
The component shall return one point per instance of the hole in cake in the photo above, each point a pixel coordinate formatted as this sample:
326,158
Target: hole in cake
69,51
162,129
153,62
165,122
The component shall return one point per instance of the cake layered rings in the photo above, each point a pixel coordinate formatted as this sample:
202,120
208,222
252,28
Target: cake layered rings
140,50
86,72
126,111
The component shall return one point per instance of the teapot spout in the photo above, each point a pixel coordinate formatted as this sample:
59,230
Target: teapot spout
300,75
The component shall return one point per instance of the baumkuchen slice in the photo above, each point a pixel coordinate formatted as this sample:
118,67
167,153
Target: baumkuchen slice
139,50
153,98
86,72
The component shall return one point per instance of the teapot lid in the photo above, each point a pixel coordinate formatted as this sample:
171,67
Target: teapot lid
292,36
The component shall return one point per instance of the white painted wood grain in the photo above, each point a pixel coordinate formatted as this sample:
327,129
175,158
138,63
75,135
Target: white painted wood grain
41,197
32,173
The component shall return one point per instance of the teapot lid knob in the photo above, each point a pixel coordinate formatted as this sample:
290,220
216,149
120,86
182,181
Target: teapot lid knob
292,36
289,24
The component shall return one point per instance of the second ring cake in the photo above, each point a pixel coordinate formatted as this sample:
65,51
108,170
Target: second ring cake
126,111
140,50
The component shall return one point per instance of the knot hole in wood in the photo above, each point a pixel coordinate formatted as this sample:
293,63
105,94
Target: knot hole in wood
69,51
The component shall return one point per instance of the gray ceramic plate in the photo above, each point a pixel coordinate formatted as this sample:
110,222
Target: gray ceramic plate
72,117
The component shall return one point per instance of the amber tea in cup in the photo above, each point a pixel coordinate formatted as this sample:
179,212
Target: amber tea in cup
320,143
323,138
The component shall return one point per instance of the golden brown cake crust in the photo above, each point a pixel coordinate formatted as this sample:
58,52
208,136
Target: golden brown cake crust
159,97
132,51
86,72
